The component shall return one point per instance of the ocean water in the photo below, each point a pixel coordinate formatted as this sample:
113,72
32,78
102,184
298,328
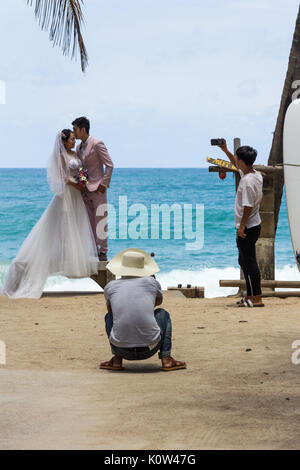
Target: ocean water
199,249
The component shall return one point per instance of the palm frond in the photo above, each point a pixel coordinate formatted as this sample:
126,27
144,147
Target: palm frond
64,19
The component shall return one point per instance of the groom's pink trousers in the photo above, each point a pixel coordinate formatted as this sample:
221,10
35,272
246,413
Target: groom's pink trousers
92,202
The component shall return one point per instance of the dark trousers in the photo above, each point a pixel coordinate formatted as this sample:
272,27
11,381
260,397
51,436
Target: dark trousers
164,346
247,260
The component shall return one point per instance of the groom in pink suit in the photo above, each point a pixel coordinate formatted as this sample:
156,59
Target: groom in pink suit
94,157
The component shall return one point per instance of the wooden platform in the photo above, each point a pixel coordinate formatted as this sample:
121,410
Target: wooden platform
269,284
264,283
194,292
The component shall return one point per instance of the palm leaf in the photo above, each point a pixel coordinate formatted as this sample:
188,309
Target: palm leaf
64,18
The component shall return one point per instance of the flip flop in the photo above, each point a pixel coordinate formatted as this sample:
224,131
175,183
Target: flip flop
244,302
176,365
108,365
248,303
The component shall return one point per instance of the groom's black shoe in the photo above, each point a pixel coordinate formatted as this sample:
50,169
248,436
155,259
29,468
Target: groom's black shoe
102,256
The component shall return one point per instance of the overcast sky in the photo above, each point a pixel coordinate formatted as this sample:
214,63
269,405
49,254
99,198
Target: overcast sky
164,77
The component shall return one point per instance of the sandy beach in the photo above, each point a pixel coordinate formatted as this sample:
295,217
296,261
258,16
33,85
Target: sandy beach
239,391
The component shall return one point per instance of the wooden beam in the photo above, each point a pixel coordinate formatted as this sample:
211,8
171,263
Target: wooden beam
270,284
191,292
262,168
281,294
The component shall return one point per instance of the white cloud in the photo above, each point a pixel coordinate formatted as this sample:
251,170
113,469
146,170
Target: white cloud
164,77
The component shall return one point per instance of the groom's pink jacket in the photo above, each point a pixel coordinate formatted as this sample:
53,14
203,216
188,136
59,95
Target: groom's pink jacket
96,157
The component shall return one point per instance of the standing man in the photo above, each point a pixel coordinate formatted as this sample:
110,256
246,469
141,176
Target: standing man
94,157
247,220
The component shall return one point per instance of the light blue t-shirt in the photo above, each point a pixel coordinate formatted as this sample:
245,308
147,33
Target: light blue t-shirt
132,302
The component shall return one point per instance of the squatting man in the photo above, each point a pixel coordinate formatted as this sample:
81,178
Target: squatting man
135,330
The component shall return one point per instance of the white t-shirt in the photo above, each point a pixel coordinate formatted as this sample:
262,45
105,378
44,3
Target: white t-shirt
132,303
249,193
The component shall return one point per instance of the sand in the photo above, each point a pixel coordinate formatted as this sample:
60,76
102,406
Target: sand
239,391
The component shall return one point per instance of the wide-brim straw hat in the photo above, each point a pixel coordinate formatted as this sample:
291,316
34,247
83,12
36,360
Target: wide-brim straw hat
133,262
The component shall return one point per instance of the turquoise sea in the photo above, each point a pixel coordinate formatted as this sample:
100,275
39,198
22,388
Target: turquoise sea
24,195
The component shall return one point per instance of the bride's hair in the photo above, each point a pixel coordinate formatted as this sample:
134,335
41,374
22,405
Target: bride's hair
65,134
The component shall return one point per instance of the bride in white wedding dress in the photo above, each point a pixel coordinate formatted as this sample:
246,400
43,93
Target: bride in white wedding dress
62,241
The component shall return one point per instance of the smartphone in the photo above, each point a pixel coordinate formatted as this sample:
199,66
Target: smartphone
218,141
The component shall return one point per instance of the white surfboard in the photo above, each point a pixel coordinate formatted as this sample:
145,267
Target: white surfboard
291,161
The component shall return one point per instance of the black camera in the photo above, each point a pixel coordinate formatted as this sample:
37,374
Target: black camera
218,141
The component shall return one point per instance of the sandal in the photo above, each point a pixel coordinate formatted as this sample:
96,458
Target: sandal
248,303
175,365
244,302
109,365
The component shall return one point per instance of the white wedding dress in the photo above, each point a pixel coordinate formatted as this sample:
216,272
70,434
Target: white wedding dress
62,241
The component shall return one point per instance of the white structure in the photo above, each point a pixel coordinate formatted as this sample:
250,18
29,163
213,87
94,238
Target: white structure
2,92
2,353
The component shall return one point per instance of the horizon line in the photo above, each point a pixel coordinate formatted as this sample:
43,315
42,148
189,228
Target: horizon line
117,167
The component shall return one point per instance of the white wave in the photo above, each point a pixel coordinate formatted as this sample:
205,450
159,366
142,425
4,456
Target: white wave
207,278
287,273
59,283
64,284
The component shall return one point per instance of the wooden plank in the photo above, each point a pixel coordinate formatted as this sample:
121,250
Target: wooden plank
266,283
281,294
191,292
262,168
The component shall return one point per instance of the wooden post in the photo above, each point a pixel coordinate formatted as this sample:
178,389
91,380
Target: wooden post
265,251
236,145
104,276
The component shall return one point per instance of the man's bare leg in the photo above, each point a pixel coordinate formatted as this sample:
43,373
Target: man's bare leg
114,364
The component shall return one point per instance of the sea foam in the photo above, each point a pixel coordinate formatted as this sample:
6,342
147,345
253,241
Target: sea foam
207,278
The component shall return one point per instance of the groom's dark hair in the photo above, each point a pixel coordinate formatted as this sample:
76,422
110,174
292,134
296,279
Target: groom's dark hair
82,122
